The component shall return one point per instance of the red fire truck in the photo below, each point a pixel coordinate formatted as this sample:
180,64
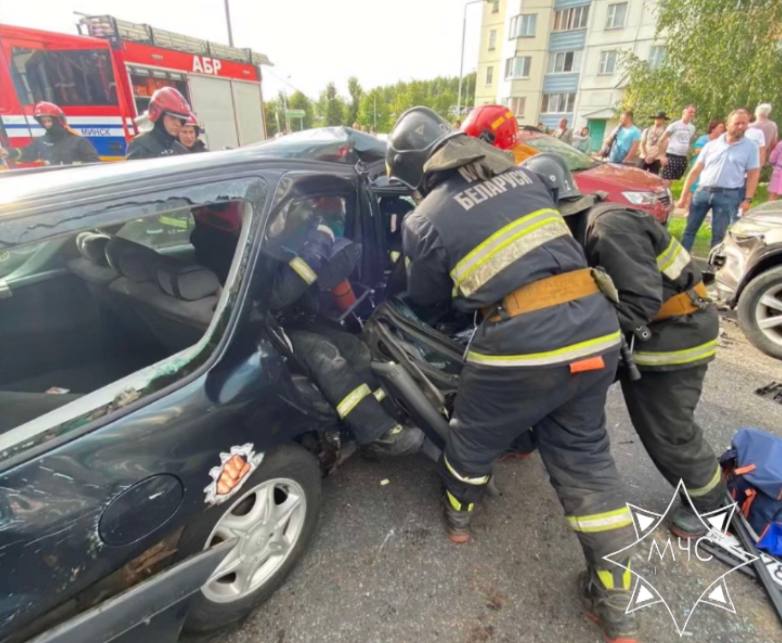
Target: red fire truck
103,79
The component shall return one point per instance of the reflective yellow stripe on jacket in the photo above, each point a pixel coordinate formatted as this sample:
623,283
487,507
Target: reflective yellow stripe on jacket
675,358
606,521
352,399
673,260
501,249
302,268
562,355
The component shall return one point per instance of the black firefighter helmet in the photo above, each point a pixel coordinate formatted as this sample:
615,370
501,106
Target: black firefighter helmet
554,172
417,134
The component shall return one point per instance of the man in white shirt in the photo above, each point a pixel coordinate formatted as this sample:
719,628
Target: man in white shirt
729,169
757,136
676,145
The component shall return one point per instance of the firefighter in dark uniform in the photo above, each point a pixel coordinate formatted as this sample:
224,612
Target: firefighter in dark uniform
189,136
60,145
169,111
665,312
313,264
487,239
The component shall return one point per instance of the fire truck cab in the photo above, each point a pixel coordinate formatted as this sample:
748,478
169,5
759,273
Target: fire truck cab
104,77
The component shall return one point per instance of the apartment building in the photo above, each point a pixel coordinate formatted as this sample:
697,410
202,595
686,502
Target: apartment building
563,58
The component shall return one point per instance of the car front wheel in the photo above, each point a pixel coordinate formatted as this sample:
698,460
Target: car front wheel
760,311
273,518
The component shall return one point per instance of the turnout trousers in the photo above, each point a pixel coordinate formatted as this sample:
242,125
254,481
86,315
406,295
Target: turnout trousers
339,363
662,409
494,405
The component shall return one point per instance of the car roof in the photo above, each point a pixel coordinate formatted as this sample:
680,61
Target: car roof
44,184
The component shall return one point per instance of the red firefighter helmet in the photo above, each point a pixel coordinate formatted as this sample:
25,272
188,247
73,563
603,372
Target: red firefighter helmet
193,121
45,108
495,124
168,100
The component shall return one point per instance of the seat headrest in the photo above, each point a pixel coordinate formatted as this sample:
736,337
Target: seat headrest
132,260
92,246
188,282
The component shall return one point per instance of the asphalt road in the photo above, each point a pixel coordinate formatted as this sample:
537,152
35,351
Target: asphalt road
381,568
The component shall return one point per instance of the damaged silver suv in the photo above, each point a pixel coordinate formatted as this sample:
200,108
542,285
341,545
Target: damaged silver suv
748,270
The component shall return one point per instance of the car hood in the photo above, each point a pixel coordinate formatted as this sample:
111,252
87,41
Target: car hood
621,177
769,213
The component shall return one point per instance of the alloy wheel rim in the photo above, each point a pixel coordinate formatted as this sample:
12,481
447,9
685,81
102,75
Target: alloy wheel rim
768,313
267,522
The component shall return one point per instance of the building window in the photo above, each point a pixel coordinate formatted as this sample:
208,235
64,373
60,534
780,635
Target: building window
571,19
492,40
523,25
489,74
518,67
616,15
656,56
495,6
558,103
563,61
516,104
607,62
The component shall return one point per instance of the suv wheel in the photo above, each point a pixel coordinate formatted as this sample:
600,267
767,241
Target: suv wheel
760,311
273,517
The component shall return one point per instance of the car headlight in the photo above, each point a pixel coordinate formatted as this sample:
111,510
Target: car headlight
748,229
640,198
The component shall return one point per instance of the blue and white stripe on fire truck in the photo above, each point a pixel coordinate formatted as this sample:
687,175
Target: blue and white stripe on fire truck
106,133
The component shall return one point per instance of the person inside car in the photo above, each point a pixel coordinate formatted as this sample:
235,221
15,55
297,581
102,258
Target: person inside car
169,111
312,263
60,145
189,135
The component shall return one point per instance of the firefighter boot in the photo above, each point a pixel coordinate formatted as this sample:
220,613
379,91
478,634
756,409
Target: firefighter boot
686,523
458,516
398,441
606,594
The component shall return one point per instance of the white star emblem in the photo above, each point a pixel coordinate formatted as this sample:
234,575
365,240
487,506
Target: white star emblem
716,593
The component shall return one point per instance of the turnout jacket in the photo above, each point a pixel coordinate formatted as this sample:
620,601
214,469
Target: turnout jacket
157,142
649,266
63,149
485,229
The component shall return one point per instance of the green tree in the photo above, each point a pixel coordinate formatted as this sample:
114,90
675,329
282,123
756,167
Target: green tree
298,100
719,55
355,91
331,107
272,113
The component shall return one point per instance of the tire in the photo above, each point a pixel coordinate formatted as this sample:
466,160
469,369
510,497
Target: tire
753,312
287,482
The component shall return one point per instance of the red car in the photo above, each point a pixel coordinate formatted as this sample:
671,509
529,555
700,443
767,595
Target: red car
622,183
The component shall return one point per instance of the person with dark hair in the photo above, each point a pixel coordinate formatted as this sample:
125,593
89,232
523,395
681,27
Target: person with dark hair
189,135
650,144
625,140
676,145
169,111
582,141
60,145
715,129
729,170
